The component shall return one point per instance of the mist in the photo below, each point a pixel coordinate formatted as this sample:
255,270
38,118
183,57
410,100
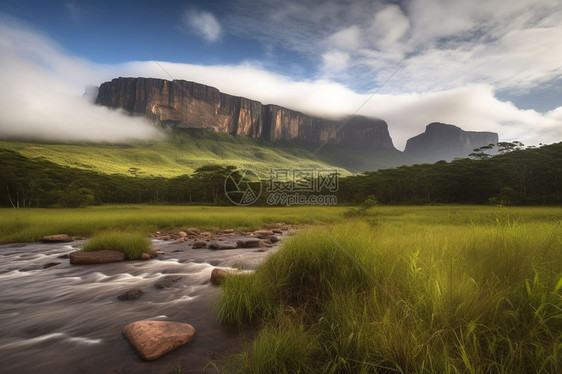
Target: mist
42,95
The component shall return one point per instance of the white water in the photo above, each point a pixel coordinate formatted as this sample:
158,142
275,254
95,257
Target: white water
67,318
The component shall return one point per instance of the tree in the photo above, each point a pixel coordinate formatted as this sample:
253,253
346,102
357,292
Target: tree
210,180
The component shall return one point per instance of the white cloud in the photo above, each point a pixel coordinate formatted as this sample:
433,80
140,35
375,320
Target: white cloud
346,39
203,23
42,89
41,96
335,61
389,26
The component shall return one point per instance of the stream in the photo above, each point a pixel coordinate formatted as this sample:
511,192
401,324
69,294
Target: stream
61,318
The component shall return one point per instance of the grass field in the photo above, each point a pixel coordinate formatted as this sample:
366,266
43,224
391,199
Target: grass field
183,151
408,289
22,225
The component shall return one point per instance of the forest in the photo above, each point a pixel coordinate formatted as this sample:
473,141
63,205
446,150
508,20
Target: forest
531,176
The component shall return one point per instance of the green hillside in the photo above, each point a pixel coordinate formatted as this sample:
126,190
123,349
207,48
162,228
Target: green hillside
185,150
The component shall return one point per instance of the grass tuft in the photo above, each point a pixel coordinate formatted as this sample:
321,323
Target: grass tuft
132,245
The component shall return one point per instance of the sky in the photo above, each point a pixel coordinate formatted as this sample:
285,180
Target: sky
483,65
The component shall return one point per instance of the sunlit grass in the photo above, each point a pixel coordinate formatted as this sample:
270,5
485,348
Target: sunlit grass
133,245
435,290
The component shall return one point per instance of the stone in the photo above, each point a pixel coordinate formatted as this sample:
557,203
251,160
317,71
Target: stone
218,275
167,281
222,246
153,339
131,294
145,256
273,238
199,244
193,231
183,234
248,243
96,257
277,231
59,238
50,265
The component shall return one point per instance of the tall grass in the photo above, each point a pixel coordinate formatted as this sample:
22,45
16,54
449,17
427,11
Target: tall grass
133,245
434,292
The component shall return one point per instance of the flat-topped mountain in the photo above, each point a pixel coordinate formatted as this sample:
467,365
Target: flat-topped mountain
186,104
446,142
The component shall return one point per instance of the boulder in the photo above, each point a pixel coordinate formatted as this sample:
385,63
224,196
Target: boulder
248,243
223,246
153,339
218,275
131,294
263,234
59,238
145,256
96,257
182,234
167,281
199,244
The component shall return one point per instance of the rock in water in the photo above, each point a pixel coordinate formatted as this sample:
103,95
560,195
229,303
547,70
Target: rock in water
248,243
59,238
132,294
153,339
218,275
96,257
167,281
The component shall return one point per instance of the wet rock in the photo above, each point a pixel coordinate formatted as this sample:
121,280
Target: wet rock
59,238
50,265
158,252
167,281
66,255
277,231
273,238
177,250
153,339
96,257
218,275
248,243
131,294
263,234
222,246
31,268
199,244
145,256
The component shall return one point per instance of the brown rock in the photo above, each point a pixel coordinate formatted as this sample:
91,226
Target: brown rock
145,256
193,231
183,234
199,244
96,257
248,243
218,275
59,238
277,231
167,281
153,339
132,294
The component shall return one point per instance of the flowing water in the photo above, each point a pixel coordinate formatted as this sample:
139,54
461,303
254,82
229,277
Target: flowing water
61,318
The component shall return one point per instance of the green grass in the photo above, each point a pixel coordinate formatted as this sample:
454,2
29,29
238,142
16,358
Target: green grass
183,151
24,225
408,289
133,245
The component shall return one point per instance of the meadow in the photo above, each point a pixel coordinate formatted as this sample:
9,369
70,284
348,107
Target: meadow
407,289
390,289
31,224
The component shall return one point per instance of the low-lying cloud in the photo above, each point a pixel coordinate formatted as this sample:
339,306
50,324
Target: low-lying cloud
41,96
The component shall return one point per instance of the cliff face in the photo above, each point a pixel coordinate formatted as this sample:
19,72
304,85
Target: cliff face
446,142
189,104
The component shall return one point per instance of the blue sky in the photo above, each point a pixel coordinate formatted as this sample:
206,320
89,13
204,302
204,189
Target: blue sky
482,65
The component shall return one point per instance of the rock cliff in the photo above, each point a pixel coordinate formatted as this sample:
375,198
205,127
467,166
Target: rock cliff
446,142
189,104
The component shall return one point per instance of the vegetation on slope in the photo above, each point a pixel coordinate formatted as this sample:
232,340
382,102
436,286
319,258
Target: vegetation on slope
185,150
425,290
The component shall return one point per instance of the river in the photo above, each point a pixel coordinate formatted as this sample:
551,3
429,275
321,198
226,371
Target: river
61,318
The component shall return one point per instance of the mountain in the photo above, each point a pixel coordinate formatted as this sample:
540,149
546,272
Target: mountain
441,141
184,104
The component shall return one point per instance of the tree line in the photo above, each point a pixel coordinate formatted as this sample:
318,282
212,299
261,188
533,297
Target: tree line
518,176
